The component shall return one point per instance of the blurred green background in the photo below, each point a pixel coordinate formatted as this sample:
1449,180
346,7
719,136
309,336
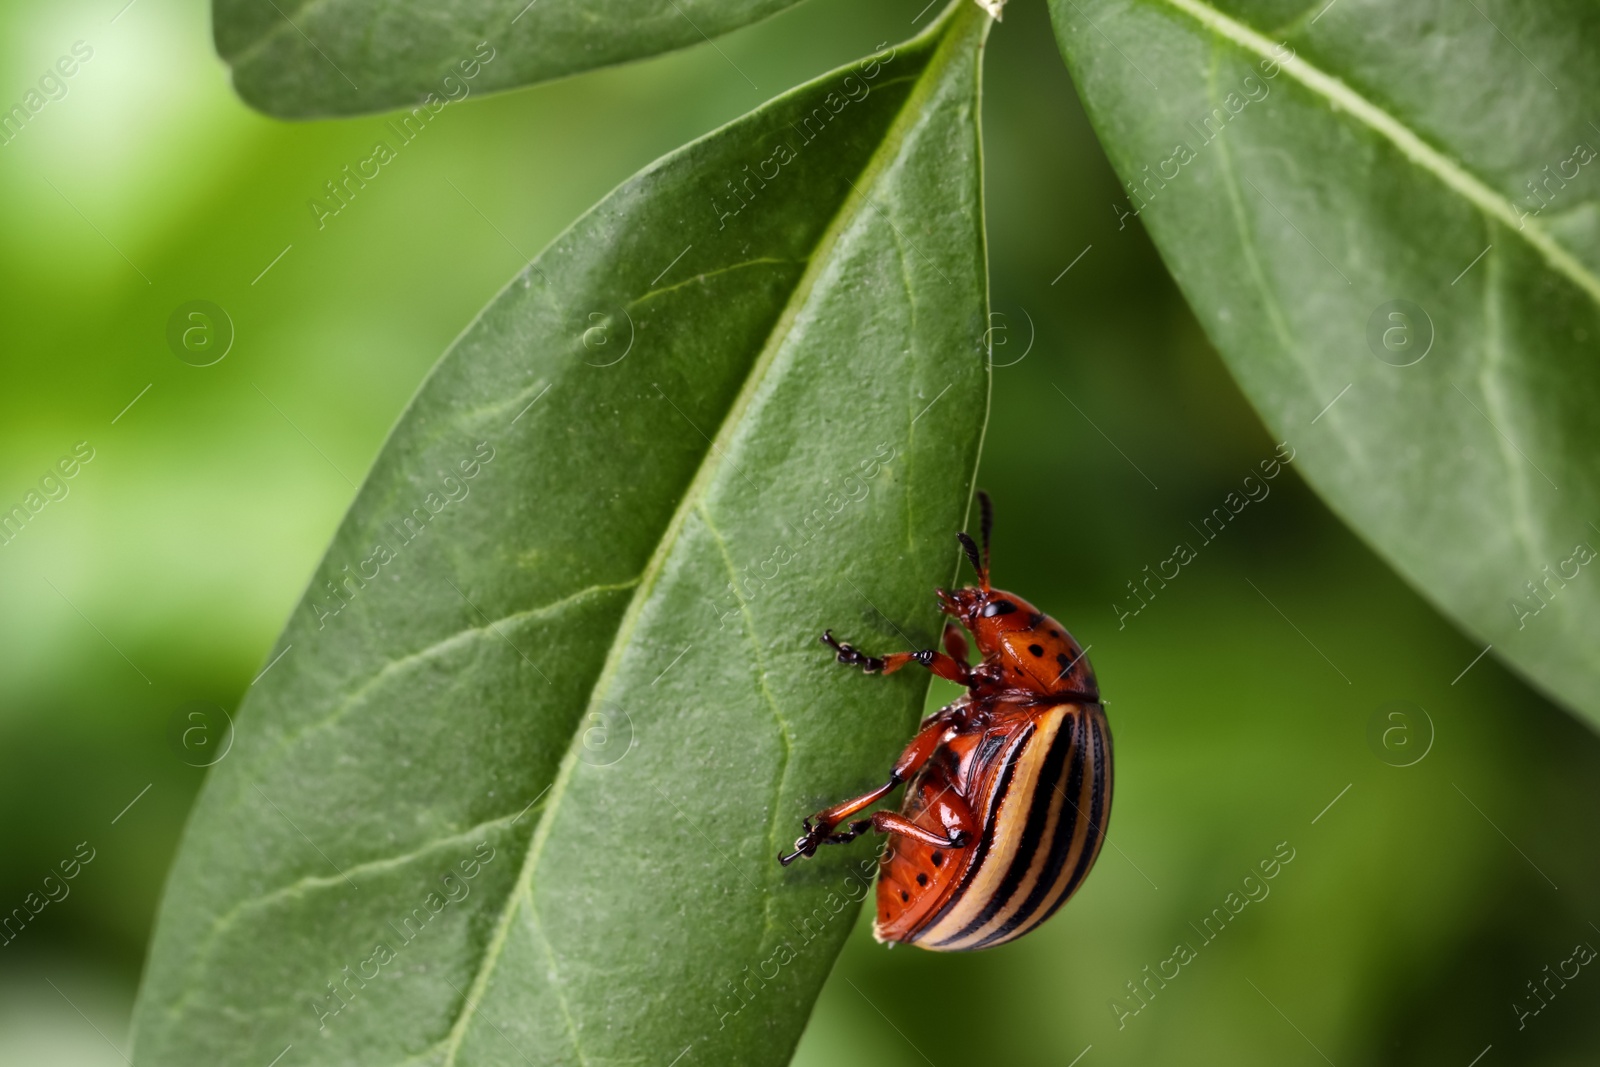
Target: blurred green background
1416,907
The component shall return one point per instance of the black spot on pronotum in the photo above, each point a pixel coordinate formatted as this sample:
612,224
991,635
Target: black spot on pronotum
1055,633
904,896
1037,650
922,879
938,858
1035,619
998,607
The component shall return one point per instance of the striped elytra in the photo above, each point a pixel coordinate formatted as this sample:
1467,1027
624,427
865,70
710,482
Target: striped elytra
1044,791
1007,790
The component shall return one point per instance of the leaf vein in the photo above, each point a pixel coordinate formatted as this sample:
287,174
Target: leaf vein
785,734
847,213
536,929
1230,176
1490,375
447,644
1450,172
303,886
703,275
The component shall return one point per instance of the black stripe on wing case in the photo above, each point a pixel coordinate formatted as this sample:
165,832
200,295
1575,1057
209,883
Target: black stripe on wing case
985,842
1099,812
1050,879
1040,806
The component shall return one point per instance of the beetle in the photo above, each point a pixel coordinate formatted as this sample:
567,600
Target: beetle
1008,789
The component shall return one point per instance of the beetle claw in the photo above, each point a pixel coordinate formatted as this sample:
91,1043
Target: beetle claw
819,834
855,830
800,849
806,844
850,655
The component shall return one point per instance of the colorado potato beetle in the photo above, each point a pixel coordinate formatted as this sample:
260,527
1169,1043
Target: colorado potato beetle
1008,790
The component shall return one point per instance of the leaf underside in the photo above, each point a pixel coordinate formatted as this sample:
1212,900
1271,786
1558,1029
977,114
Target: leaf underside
1432,152
515,790
346,57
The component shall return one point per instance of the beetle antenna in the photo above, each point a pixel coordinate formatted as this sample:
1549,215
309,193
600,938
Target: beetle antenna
974,558
986,507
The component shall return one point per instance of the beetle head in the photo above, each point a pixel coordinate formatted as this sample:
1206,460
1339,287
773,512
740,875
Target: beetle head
974,604
1030,649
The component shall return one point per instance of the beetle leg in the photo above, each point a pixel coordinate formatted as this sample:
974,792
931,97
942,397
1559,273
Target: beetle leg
819,829
888,822
938,662
850,655
955,642
948,806
850,833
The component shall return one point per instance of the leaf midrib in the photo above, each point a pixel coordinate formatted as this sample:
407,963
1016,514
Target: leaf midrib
850,207
1408,141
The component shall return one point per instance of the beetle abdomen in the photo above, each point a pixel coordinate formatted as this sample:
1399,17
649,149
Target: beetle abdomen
1049,822
916,879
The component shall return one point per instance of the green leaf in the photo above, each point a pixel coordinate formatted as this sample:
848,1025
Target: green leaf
1303,168
554,702
345,57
